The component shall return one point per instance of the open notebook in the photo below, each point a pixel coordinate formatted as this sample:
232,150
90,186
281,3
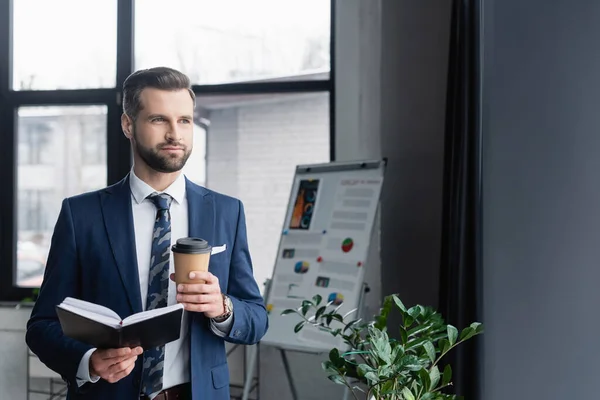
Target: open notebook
101,327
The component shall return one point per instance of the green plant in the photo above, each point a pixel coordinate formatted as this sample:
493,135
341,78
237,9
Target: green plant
34,295
407,368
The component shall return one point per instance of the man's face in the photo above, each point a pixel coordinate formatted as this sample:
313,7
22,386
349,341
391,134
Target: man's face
162,135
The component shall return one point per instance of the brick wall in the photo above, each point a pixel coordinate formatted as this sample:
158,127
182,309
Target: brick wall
252,151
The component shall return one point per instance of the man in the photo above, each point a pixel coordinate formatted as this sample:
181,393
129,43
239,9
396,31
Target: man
105,249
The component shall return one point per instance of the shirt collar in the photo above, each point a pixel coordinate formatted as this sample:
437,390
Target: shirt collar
140,189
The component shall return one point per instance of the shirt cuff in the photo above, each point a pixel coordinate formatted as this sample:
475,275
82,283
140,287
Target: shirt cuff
83,372
222,329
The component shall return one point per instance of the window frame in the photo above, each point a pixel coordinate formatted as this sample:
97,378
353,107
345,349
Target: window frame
118,150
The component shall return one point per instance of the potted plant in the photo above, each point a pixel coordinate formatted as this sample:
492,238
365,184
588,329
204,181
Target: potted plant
381,367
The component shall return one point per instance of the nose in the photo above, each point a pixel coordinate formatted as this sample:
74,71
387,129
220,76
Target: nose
173,134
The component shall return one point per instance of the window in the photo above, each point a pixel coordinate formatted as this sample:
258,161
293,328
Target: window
93,140
263,81
262,39
34,143
43,182
64,44
34,210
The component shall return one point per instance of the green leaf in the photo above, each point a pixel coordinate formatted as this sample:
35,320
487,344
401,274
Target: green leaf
350,324
337,379
430,350
403,335
288,311
447,377
478,327
334,357
381,319
317,299
434,377
399,303
407,394
467,333
414,312
299,326
425,379
397,353
338,317
305,308
364,369
408,321
444,345
452,334
320,312
372,377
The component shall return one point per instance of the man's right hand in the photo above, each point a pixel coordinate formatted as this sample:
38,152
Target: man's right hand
112,365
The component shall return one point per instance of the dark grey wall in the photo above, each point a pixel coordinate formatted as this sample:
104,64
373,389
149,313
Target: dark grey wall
415,43
541,243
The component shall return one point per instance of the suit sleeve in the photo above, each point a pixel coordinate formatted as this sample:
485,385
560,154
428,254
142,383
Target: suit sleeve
250,321
61,279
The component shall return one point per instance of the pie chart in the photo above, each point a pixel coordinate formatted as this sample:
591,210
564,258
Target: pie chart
301,267
336,298
347,245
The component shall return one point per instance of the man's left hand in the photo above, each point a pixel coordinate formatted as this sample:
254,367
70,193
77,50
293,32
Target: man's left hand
202,297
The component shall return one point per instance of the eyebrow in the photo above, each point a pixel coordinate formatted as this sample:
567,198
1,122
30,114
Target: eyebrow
165,117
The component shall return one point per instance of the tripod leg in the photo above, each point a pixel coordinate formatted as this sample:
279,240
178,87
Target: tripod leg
286,365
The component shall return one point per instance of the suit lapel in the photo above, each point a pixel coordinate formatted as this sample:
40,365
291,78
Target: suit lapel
201,212
118,220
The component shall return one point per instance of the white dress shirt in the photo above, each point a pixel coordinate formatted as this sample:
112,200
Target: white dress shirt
176,363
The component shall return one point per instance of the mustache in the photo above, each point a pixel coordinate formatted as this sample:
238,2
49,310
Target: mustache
172,144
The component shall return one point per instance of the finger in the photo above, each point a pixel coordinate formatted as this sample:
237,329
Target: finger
114,353
113,378
172,277
107,364
199,307
198,298
121,366
198,288
204,275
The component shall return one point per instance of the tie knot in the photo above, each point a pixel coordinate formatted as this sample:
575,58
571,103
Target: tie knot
162,201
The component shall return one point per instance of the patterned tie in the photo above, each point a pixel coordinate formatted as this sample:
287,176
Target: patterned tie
158,288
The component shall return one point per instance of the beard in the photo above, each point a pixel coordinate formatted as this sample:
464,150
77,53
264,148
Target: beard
165,163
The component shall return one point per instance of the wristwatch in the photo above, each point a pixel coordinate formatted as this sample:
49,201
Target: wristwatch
228,306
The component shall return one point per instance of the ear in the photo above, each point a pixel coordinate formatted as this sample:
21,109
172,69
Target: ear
127,125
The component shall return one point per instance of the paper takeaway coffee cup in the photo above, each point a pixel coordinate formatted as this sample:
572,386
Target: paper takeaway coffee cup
190,254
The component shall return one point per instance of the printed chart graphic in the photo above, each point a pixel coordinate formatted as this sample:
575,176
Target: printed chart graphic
301,267
347,245
323,248
304,204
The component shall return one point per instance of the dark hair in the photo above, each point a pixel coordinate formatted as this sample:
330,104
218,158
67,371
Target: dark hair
162,78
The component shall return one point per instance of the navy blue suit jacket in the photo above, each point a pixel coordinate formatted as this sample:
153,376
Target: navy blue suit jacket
92,257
